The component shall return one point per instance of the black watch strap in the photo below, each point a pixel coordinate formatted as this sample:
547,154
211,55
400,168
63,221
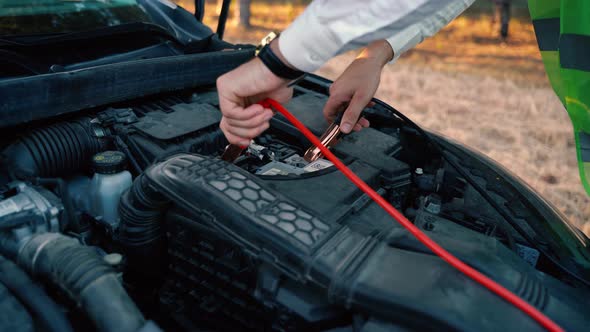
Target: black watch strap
274,64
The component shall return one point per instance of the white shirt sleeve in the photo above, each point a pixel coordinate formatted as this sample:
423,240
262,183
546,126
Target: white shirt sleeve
329,27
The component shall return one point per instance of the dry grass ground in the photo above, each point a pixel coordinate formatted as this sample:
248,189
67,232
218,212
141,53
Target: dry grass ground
466,84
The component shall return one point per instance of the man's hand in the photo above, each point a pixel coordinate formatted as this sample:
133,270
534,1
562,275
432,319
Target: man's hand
239,90
355,88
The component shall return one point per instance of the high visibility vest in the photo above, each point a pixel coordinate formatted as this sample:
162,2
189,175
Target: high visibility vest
562,28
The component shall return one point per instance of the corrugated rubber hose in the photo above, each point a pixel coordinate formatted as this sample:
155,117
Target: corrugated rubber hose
470,272
46,312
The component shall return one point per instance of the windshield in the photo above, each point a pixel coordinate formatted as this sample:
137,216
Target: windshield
28,17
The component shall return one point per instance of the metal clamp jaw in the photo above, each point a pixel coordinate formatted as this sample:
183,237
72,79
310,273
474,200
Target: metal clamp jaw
330,137
232,152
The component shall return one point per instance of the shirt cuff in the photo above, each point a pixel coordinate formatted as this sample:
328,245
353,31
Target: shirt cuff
404,40
306,44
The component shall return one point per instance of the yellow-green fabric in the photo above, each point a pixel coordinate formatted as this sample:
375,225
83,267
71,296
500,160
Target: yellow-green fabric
562,28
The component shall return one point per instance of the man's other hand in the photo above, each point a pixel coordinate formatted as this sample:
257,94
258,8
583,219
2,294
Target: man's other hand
355,88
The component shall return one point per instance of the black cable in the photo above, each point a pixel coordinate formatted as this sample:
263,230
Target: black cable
43,308
511,243
125,149
480,190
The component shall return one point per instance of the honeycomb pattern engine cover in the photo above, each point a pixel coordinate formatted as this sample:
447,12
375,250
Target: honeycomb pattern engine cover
239,203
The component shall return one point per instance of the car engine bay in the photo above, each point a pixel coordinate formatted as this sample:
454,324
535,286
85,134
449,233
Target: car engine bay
130,205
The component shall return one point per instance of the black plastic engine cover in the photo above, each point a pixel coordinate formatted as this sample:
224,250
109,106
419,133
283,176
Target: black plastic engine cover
253,215
183,119
365,273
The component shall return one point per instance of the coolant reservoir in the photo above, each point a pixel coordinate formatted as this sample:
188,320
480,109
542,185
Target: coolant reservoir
110,180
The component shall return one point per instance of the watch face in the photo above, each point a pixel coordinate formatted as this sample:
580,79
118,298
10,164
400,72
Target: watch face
270,37
266,40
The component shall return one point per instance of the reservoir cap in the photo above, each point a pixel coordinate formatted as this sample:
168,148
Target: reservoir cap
109,162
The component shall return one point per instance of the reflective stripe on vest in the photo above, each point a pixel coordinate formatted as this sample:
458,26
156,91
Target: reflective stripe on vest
584,146
574,52
562,28
547,32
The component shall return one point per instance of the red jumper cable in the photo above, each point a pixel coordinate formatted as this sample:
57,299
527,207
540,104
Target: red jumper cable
475,275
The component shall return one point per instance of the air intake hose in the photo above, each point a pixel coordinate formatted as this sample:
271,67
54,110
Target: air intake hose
140,233
85,277
53,151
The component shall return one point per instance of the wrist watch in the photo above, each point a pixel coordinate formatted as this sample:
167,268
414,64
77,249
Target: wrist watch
273,62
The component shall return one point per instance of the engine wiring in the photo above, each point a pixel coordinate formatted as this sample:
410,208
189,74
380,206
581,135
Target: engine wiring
482,192
470,272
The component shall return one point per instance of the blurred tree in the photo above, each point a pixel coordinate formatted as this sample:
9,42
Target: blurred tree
242,12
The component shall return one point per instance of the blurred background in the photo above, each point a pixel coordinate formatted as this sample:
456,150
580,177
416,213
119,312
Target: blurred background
472,82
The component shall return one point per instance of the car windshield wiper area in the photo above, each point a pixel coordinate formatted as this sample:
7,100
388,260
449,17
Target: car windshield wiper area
47,53
117,31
